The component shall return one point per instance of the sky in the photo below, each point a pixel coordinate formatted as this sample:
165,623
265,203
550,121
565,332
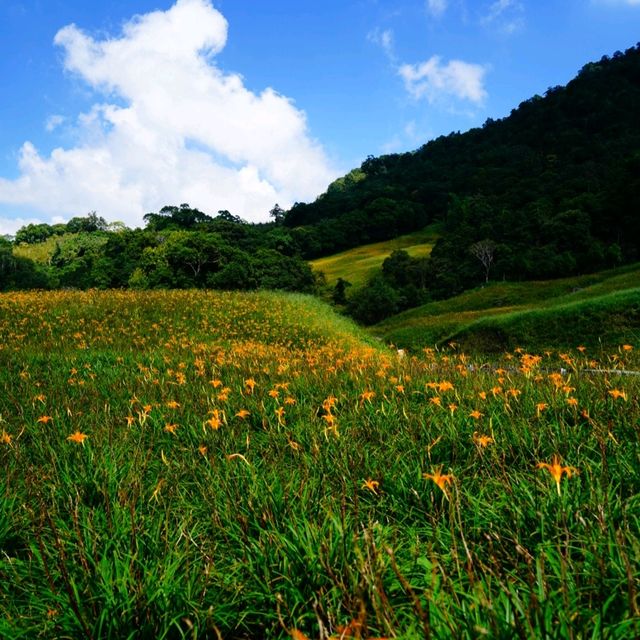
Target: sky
125,106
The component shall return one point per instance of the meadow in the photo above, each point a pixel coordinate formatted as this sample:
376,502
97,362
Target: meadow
360,263
216,465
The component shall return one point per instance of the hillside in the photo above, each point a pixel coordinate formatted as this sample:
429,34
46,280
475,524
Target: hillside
555,187
595,310
358,264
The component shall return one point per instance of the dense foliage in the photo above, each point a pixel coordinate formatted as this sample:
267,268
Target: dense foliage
554,187
180,247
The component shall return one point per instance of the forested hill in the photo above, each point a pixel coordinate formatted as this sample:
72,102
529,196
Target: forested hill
554,187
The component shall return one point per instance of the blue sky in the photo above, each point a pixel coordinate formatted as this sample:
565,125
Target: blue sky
124,106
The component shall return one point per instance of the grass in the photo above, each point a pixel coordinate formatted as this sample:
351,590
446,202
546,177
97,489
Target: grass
203,465
591,309
359,264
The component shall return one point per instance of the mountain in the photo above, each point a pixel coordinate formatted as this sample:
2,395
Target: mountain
551,190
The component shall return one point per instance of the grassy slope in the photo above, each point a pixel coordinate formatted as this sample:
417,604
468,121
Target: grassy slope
565,312
41,251
358,495
356,265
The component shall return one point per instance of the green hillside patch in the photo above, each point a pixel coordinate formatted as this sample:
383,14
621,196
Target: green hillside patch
358,264
591,309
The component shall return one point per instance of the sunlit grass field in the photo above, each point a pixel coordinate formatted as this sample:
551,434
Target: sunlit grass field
213,465
357,265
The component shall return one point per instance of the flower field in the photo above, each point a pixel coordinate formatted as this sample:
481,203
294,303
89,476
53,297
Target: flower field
214,465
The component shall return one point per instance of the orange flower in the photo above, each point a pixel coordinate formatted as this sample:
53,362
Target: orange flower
436,400
242,414
627,347
476,415
372,485
540,407
616,393
482,440
44,419
557,470
215,421
442,480
573,402
250,383
172,404
5,438
366,396
78,437
170,428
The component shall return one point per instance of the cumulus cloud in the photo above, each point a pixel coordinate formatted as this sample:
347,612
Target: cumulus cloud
437,7
172,127
434,80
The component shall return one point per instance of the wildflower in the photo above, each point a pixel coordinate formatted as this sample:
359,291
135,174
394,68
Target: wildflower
250,384
274,393
627,347
442,480
215,383
616,393
557,470
78,437
280,413
366,396
44,419
436,400
170,428
5,438
130,420
400,388
203,450
452,407
476,415
482,440
445,385
242,414
372,485
572,402
215,421
172,404
289,400
540,407
582,348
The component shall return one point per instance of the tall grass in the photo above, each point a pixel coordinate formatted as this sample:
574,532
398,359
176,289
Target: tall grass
203,465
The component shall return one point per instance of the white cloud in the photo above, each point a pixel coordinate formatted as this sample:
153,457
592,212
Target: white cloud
384,39
630,3
506,16
437,7
174,128
434,80
53,122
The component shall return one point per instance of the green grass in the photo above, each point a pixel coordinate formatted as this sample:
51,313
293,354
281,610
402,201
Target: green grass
588,309
359,264
316,512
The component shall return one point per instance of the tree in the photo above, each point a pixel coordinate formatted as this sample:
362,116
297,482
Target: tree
339,292
484,251
277,213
